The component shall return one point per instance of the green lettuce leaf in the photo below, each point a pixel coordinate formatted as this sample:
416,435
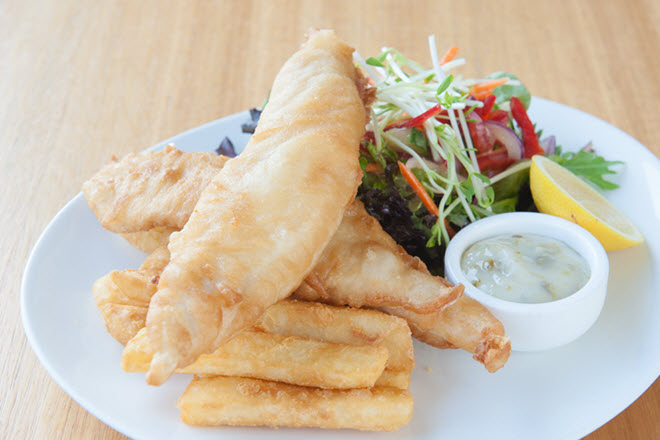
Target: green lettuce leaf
504,92
588,165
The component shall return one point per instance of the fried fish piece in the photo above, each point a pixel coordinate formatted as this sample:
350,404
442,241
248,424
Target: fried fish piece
239,401
151,189
462,323
123,296
262,223
364,267
466,324
287,359
149,241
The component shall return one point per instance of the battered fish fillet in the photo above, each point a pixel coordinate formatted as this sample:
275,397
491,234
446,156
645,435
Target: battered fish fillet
149,241
152,189
339,279
262,223
364,267
465,324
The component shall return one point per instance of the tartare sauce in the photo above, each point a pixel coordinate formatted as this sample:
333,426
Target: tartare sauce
525,268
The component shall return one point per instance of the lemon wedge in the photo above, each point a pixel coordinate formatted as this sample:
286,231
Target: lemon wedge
559,192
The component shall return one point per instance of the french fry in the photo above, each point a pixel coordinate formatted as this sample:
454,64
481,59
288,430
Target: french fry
249,402
394,379
342,325
280,358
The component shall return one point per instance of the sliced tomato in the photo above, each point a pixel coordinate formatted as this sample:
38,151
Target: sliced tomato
482,138
496,160
499,116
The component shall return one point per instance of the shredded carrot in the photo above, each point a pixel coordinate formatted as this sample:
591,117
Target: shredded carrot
372,168
484,89
450,230
416,185
449,55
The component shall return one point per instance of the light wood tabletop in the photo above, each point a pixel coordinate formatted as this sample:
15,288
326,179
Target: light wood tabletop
82,81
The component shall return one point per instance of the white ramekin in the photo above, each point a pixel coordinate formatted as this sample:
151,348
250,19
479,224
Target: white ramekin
541,326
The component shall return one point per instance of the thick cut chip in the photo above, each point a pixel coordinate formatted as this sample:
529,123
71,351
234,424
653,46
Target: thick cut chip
287,359
250,402
342,325
395,379
152,189
262,223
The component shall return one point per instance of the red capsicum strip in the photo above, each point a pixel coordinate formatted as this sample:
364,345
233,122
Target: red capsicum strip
417,121
481,137
488,106
529,138
498,116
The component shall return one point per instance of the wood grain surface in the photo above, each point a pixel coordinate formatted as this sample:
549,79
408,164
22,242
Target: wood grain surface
81,81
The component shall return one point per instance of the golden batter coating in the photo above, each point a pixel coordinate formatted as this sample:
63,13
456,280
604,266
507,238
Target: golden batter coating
342,325
465,324
288,359
239,401
149,241
364,267
262,223
151,189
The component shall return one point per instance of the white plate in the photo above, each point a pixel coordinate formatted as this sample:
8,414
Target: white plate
564,393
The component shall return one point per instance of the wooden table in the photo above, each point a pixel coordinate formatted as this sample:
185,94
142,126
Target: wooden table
81,81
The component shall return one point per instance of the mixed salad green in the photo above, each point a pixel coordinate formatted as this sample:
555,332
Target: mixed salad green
442,151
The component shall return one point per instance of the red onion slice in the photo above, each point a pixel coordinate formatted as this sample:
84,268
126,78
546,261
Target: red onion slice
549,145
508,138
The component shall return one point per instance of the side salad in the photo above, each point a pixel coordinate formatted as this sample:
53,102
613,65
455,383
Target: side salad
442,151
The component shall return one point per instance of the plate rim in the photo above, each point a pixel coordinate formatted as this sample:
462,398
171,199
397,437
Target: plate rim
119,426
